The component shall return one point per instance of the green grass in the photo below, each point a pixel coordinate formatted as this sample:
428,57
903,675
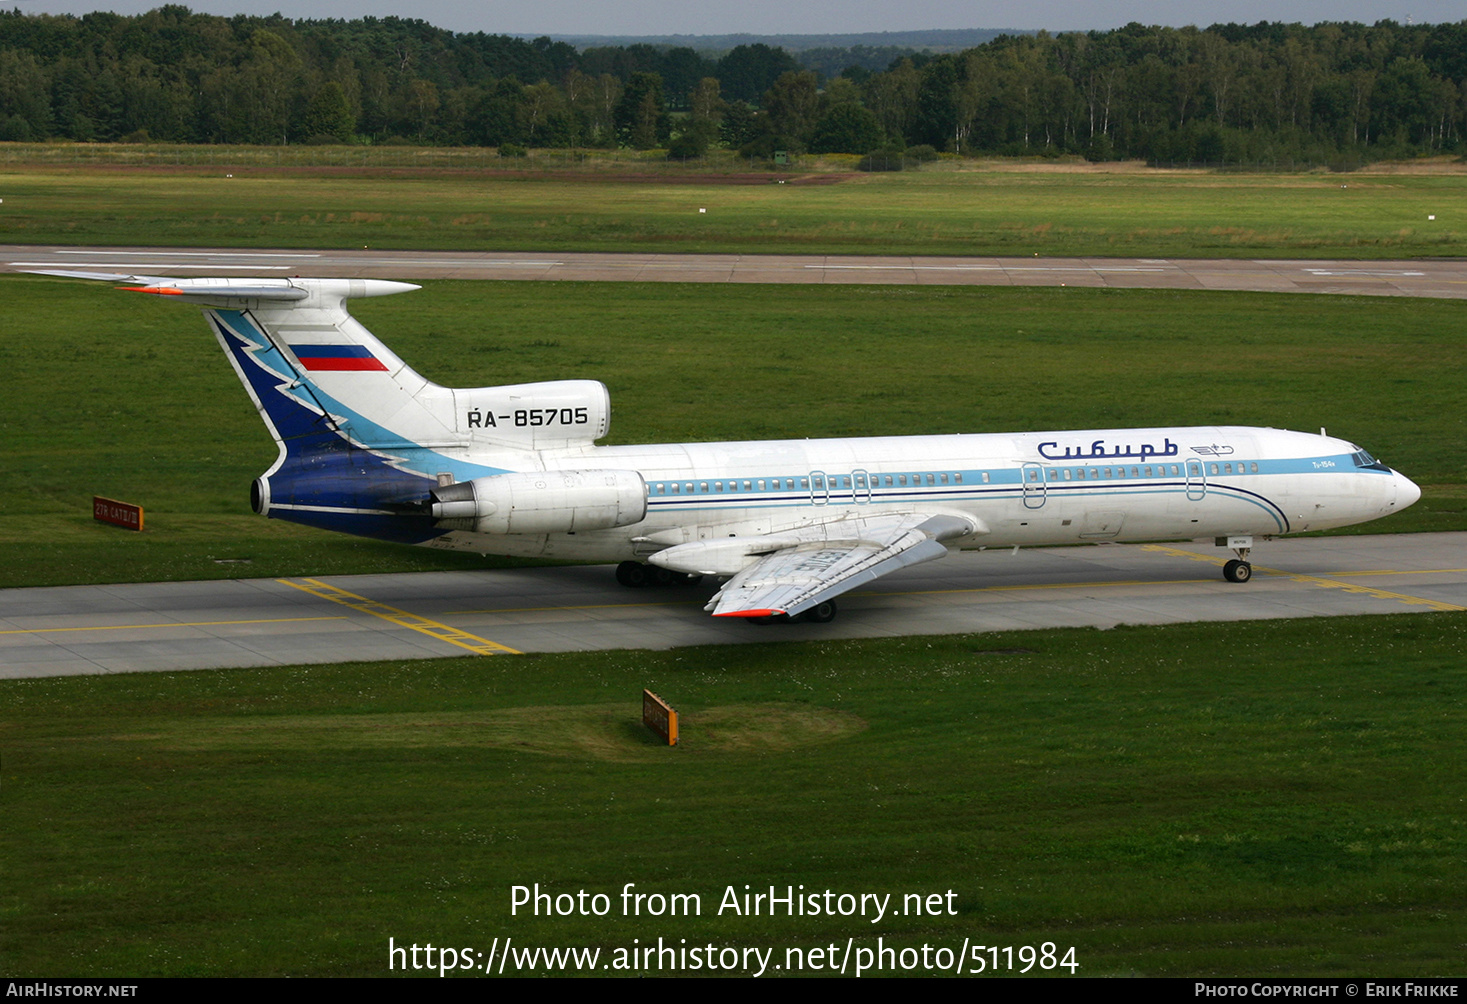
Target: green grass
1262,799
129,397
941,211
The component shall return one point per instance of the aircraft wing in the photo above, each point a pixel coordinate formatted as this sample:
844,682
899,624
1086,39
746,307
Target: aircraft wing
800,575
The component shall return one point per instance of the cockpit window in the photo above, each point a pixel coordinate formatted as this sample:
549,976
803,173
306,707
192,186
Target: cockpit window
1363,459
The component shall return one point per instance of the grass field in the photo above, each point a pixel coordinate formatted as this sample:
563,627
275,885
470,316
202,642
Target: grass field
935,211
130,398
1280,798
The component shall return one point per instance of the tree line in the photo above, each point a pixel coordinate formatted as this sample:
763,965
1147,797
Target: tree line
1227,93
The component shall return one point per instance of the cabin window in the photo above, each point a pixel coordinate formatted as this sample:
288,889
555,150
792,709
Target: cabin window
985,477
1069,474
958,478
942,478
761,485
1214,468
1253,468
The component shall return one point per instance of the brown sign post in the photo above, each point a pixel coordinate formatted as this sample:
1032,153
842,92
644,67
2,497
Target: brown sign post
117,513
659,716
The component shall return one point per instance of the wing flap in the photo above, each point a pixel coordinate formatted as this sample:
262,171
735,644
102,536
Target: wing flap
794,579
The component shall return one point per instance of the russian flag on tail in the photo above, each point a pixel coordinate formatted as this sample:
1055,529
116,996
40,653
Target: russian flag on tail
337,358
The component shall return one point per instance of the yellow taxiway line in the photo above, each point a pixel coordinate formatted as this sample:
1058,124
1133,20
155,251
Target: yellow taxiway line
171,624
431,628
1322,583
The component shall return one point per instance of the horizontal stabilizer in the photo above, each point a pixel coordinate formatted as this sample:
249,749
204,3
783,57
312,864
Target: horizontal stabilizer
99,276
236,292
240,292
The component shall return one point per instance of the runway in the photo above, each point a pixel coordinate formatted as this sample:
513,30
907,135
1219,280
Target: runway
266,622
1441,279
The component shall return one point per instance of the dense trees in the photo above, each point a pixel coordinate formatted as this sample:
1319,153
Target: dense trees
1229,92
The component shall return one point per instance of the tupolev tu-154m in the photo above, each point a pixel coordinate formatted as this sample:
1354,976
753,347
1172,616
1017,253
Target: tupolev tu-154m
369,447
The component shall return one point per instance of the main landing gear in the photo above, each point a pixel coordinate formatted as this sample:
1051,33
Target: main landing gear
1237,570
636,575
820,613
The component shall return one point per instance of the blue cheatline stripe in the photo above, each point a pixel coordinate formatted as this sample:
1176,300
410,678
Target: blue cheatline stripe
699,501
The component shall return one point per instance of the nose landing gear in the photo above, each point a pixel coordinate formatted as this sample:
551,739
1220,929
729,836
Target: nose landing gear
1237,570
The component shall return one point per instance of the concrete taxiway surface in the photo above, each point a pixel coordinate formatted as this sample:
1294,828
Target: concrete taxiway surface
264,622
1447,278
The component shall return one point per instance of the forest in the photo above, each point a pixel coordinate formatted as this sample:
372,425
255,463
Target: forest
1228,93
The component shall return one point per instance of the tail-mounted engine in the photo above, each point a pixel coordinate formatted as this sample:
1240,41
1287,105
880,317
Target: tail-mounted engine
542,502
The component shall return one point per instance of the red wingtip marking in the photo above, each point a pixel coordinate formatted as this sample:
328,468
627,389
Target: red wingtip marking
749,613
159,290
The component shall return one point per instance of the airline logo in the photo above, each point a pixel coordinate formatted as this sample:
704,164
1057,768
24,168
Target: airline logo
337,358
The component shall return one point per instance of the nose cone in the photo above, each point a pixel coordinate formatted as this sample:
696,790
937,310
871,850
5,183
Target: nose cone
1406,490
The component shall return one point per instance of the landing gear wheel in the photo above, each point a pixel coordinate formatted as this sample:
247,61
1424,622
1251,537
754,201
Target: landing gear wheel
821,613
632,574
1237,571
661,576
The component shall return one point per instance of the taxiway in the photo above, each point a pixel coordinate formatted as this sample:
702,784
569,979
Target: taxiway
263,622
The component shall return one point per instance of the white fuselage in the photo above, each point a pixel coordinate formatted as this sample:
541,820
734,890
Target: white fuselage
1017,489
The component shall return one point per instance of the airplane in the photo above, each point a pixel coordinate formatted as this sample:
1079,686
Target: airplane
369,447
